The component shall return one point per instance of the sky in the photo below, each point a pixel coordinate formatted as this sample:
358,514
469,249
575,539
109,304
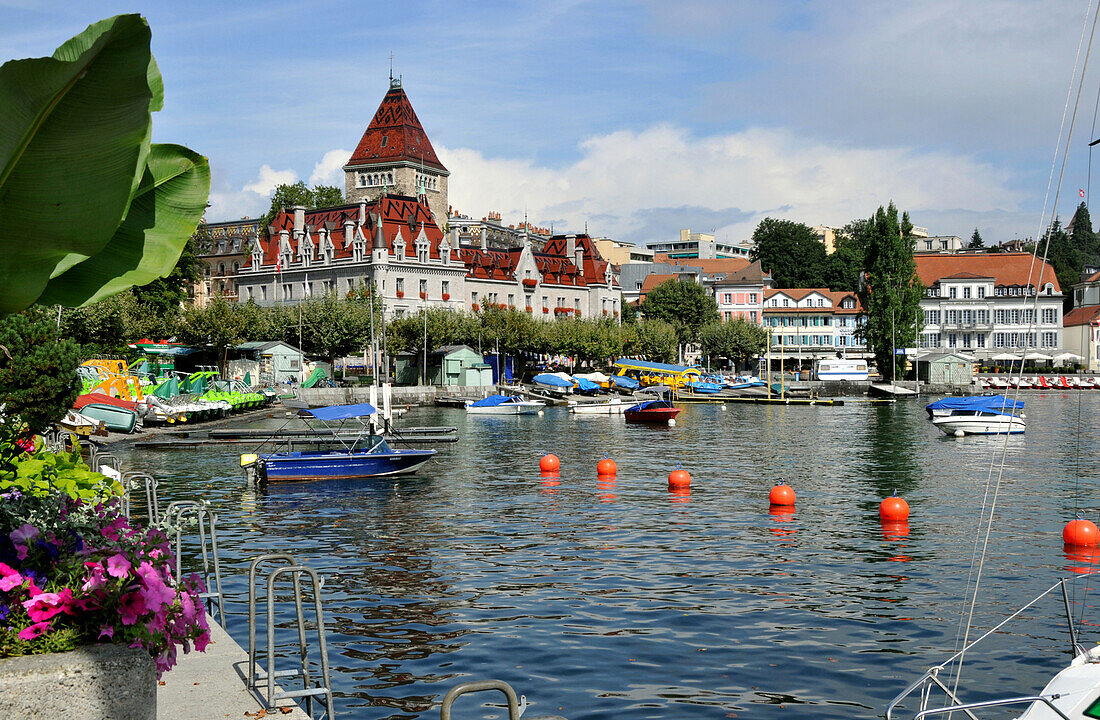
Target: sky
635,118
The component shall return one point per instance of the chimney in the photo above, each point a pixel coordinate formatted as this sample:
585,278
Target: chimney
299,220
284,240
570,245
579,256
348,225
362,210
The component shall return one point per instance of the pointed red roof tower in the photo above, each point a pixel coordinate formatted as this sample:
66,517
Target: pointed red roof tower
395,156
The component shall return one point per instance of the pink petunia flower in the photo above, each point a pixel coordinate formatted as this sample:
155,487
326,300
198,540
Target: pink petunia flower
131,607
118,566
30,633
153,590
44,606
202,641
9,578
106,631
96,579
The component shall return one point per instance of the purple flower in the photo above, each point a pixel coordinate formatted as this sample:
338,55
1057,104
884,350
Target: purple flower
106,631
118,566
9,578
22,537
131,607
153,590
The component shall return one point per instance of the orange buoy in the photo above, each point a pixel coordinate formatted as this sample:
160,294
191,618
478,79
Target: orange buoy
781,494
549,463
679,478
1081,533
606,466
894,509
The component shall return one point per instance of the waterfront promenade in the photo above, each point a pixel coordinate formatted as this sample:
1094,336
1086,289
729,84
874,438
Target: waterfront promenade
211,685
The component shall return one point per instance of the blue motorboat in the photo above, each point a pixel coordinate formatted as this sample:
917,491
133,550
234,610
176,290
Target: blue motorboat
583,385
367,456
625,383
974,405
702,387
555,383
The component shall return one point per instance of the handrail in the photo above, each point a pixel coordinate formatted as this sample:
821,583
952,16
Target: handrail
996,703
932,673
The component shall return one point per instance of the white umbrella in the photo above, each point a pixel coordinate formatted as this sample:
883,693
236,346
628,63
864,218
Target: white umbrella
1067,357
1037,356
1000,357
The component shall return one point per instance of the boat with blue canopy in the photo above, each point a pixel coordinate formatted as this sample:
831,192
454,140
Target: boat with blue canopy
367,456
555,383
972,404
624,382
504,405
584,385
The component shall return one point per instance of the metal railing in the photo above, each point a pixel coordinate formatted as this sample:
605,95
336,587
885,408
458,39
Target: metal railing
930,679
183,512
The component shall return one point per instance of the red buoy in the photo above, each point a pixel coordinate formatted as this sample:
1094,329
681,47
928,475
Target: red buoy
894,509
679,478
549,463
1081,533
606,466
781,494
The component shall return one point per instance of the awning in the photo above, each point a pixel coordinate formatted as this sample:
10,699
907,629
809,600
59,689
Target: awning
340,412
1037,356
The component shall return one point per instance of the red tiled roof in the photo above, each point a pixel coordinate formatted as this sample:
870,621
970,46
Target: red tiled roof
594,268
652,281
1006,269
1084,315
400,215
751,274
796,294
395,133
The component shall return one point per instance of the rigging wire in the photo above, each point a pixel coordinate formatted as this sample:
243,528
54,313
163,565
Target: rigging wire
992,495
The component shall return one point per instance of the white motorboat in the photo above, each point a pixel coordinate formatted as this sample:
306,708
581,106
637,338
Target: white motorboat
504,405
614,406
981,423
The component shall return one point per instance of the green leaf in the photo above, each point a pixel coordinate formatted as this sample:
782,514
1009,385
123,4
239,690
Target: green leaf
74,137
164,213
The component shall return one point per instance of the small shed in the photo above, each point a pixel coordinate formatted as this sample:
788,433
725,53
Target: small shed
274,362
945,369
459,365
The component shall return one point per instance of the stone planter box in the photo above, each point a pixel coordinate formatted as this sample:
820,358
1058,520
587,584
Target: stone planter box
92,683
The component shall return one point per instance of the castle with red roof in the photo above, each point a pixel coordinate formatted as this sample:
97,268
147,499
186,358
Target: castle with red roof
388,236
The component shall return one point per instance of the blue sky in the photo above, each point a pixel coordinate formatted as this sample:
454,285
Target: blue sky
638,118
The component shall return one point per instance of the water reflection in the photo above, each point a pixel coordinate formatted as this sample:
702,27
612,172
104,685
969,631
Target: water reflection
628,601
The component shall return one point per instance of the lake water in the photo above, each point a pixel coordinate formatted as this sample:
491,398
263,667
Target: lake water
617,599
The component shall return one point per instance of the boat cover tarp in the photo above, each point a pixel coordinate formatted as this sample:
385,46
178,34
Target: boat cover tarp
585,385
549,379
493,401
623,381
596,377
977,402
340,412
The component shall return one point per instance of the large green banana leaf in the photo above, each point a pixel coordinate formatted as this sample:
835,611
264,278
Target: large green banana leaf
164,212
74,139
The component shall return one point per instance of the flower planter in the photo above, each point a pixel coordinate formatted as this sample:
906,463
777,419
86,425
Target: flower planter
446,297
476,307
530,309
400,294
97,681
423,296
546,310
530,282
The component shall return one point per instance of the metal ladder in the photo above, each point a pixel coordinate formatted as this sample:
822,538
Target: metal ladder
256,676
177,513
516,706
130,482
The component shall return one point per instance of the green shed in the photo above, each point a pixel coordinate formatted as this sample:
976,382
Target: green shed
945,369
459,365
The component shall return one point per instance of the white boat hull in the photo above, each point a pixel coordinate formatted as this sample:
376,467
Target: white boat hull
980,424
530,407
612,407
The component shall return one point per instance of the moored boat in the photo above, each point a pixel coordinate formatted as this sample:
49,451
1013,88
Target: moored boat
118,419
554,383
987,422
651,411
504,405
614,406
971,404
367,456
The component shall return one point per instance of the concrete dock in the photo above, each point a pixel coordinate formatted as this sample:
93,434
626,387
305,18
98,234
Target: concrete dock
211,685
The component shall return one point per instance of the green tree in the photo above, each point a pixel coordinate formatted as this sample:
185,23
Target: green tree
629,310
332,327
286,196
515,331
654,339
976,242
1066,257
790,251
892,291
738,341
38,381
683,304
219,325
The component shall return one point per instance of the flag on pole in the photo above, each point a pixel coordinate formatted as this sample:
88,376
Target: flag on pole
1081,192
279,264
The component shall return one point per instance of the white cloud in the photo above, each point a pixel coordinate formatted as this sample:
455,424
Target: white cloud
623,181
269,179
330,169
